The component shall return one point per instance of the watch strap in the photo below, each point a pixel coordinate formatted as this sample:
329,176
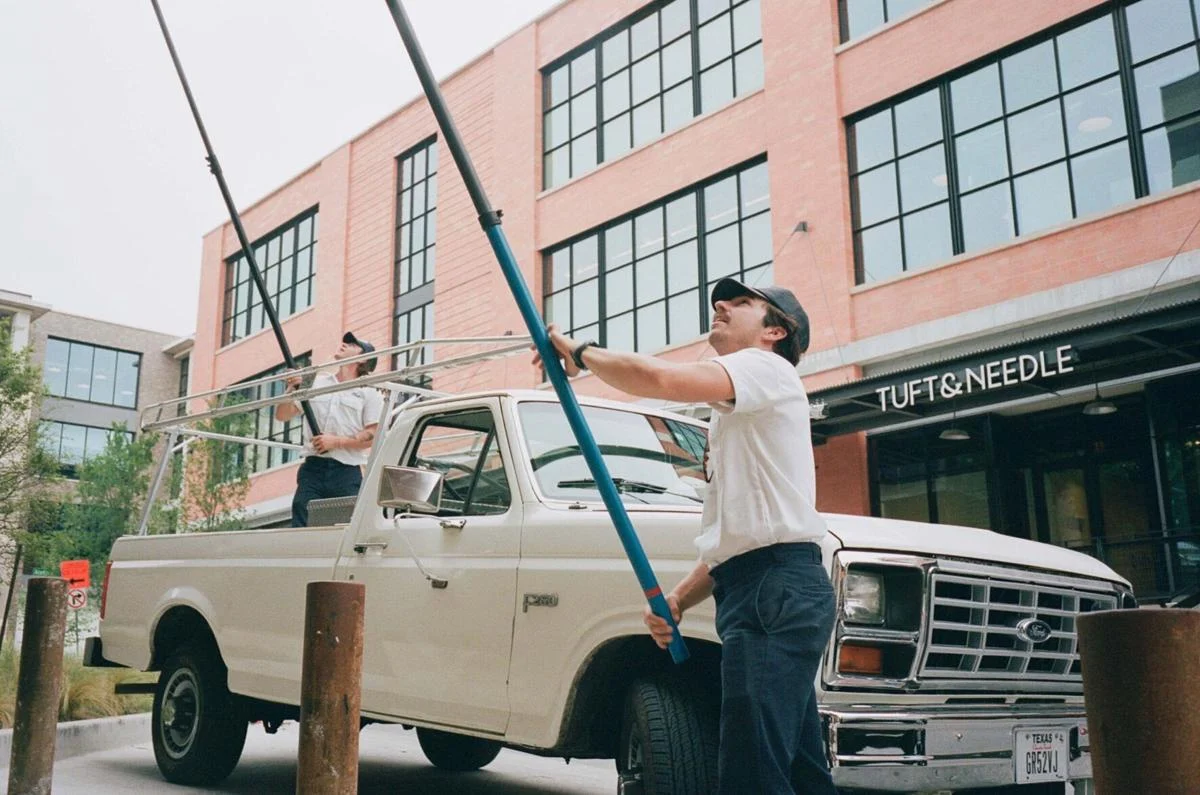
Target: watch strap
577,354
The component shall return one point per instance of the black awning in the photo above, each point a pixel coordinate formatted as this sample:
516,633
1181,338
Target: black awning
1103,351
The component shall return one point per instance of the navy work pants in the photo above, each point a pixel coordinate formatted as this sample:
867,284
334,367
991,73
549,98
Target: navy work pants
321,478
775,610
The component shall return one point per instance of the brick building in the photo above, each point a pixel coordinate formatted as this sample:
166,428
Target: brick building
977,207
99,373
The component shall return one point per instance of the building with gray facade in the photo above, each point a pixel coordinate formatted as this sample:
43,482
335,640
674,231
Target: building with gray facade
99,373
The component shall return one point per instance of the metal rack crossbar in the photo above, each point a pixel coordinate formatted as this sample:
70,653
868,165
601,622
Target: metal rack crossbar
178,425
507,346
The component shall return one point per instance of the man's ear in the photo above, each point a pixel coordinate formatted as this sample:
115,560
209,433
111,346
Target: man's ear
774,333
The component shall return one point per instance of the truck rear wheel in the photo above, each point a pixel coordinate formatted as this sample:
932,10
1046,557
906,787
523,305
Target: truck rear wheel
668,742
457,752
197,729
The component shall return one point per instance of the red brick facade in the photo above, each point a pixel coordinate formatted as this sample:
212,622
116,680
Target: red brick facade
812,83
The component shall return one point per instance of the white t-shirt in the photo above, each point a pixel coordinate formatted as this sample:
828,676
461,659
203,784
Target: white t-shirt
343,414
763,482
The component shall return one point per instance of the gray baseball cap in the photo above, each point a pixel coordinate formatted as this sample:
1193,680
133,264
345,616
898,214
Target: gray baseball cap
367,347
781,298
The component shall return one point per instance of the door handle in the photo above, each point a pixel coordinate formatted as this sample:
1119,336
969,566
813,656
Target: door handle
364,546
453,524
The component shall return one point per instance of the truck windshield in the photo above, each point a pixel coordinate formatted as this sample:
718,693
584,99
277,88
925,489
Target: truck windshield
653,460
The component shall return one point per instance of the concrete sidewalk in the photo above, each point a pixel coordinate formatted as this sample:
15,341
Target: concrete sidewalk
79,737
390,760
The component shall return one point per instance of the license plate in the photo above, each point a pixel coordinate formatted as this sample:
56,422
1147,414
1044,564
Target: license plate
1041,755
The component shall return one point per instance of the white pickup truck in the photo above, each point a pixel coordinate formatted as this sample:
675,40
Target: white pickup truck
508,616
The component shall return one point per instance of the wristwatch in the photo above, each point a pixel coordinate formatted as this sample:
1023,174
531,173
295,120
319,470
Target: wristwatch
577,354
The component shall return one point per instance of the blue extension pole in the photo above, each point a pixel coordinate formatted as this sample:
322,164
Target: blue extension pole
489,219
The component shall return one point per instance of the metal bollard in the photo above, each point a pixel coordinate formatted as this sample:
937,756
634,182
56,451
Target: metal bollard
1143,706
39,688
331,689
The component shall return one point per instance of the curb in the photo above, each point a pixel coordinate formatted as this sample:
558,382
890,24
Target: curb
79,737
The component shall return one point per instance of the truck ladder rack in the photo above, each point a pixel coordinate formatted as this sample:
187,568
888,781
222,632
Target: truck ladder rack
178,419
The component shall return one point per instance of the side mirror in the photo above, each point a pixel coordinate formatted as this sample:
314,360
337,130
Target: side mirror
410,489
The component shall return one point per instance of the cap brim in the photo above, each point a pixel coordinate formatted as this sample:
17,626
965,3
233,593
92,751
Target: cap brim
728,289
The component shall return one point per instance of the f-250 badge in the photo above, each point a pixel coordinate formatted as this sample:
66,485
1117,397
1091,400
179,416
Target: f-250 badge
540,600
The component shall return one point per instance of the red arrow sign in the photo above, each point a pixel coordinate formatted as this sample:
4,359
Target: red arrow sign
76,573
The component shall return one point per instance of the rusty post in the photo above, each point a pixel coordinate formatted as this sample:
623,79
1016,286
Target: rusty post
331,689
1143,707
39,687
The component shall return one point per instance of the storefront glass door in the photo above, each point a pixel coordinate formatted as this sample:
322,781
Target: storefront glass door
1064,496
1088,484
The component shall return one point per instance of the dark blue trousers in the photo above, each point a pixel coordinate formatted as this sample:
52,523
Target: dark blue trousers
774,616
320,478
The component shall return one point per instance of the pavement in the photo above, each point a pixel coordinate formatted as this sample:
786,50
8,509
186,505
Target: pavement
390,761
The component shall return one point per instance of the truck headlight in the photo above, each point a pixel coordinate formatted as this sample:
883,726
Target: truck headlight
863,600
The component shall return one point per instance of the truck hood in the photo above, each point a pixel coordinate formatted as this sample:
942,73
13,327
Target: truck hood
895,535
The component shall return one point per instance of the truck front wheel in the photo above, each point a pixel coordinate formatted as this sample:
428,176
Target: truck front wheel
668,741
457,752
197,729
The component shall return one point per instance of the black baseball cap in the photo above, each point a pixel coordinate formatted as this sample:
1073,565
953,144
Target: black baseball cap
367,347
779,297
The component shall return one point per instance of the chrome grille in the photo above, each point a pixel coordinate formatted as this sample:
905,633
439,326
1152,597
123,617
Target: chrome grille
972,631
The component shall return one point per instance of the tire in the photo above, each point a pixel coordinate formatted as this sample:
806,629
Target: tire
668,741
197,729
456,752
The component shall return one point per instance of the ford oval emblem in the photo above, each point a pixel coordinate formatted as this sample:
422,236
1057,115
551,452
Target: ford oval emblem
1034,630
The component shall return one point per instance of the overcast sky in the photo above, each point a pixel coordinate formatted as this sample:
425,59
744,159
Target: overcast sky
104,194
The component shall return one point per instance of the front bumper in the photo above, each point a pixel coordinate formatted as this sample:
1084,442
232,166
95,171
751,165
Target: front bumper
936,747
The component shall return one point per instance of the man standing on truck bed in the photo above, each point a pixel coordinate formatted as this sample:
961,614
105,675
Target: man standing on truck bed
334,459
760,532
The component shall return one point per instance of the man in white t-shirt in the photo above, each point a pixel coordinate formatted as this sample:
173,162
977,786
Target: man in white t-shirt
333,460
760,534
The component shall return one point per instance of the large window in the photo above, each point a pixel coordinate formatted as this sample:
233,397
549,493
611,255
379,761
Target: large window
261,424
415,324
72,444
416,217
1029,140
416,236
920,477
82,371
644,77
642,281
185,366
287,258
859,17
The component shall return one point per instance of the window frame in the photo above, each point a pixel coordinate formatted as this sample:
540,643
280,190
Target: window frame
1132,138
703,281
231,315
495,437
596,45
70,470
888,18
427,147
137,388
249,454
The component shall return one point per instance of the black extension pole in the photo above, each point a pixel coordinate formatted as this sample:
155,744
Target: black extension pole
215,168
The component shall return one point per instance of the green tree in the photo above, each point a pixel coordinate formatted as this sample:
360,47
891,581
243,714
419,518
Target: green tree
216,478
107,504
26,470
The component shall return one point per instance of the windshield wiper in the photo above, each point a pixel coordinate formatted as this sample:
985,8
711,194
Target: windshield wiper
626,485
